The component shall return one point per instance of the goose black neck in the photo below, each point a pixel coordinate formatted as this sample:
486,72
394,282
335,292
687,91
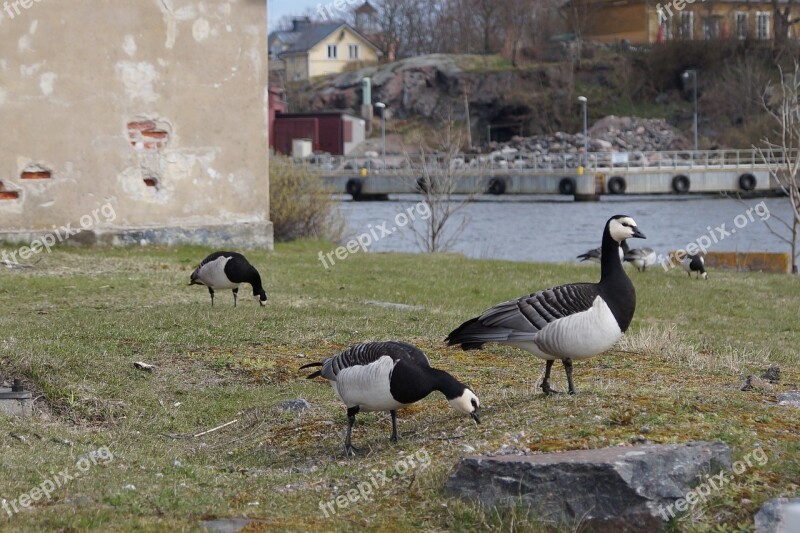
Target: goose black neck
446,384
610,265
411,384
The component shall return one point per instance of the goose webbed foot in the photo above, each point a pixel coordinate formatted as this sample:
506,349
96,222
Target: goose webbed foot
546,381
352,451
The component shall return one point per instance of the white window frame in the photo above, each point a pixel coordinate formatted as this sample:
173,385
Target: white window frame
707,26
760,17
333,51
742,30
665,22
353,51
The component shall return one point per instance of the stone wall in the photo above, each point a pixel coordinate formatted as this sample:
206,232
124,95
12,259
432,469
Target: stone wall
135,121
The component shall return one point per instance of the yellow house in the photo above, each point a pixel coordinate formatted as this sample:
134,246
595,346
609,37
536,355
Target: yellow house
327,48
654,21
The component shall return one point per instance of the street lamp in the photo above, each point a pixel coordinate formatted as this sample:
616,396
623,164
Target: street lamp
692,73
382,107
584,101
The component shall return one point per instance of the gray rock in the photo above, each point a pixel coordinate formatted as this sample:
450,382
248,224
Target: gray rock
294,406
791,398
781,515
773,374
608,489
225,525
391,305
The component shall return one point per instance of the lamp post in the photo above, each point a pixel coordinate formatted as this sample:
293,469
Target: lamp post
382,107
584,104
693,75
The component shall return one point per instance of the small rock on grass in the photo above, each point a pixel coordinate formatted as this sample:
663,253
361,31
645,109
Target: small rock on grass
778,516
294,406
791,398
773,374
756,383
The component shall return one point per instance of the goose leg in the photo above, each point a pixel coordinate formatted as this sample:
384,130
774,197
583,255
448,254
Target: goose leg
235,295
393,437
349,449
568,369
546,381
211,292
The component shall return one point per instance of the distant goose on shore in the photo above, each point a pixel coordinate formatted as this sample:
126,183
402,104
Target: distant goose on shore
595,253
695,263
227,270
386,376
641,258
569,322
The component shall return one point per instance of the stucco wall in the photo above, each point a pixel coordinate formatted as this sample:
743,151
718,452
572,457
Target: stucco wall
155,108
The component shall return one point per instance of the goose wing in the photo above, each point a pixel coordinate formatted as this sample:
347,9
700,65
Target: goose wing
369,352
522,319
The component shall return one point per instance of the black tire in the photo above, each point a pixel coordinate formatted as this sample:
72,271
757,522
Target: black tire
353,187
747,182
617,185
681,184
497,186
566,186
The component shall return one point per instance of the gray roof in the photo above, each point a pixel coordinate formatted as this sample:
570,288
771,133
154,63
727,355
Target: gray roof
312,35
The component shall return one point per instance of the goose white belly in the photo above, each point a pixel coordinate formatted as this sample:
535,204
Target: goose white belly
367,386
578,336
212,274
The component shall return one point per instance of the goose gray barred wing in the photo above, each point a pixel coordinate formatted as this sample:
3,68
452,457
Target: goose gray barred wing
369,352
523,318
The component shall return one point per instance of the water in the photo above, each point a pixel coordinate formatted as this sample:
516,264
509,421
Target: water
542,229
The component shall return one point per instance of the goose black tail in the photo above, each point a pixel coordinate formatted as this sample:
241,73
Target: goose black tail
315,374
464,335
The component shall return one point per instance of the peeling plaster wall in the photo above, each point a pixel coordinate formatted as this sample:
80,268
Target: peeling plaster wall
157,107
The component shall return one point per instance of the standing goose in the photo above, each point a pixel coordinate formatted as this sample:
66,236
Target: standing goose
574,321
227,270
641,258
695,263
386,376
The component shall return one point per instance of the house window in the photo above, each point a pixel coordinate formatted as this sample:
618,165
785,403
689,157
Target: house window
665,25
762,25
353,49
333,52
710,28
686,25
741,26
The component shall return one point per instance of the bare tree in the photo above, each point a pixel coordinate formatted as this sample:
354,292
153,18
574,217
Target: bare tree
784,20
782,156
443,173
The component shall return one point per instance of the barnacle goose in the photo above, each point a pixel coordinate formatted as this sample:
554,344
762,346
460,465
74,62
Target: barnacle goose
641,258
595,253
386,376
569,322
695,263
227,270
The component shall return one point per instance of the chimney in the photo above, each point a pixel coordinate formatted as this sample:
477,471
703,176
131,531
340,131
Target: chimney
300,23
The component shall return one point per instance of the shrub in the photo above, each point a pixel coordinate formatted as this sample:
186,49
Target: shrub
300,203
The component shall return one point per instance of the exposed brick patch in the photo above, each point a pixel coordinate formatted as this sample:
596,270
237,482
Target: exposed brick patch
147,135
151,182
7,195
36,172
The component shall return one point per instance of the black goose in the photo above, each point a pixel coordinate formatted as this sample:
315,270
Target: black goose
569,322
227,270
595,253
695,263
386,376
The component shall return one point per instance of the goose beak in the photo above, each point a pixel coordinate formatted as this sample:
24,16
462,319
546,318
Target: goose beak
638,234
476,415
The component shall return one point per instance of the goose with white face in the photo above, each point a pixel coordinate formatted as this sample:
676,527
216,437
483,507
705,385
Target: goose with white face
624,228
468,403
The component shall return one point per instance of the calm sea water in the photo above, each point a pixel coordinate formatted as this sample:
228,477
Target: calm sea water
529,228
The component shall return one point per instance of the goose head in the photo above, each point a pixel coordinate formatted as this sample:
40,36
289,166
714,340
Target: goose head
467,403
622,227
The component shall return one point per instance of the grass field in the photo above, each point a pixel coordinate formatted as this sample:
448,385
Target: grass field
72,327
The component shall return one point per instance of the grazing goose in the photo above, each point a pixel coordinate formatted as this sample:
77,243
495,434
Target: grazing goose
227,270
695,263
574,321
595,253
386,376
641,258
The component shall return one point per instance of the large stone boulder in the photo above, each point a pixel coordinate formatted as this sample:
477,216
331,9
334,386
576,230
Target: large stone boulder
610,489
781,515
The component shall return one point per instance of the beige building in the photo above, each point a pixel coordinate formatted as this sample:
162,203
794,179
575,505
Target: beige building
134,121
311,50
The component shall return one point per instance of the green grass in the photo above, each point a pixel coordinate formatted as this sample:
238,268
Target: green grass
73,325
